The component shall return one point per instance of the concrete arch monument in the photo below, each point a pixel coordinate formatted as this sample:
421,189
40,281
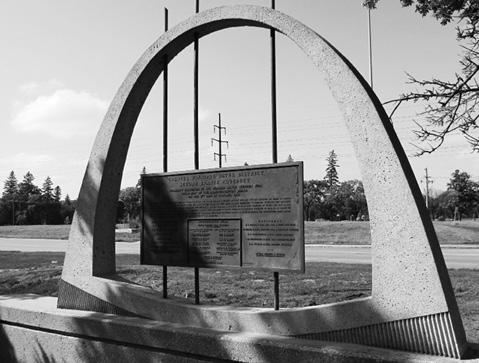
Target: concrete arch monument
412,305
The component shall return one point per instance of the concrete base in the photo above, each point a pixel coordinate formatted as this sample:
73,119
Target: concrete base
32,329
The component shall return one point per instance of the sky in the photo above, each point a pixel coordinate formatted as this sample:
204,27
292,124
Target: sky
63,61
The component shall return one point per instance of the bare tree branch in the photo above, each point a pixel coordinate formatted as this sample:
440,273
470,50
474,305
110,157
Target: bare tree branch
451,106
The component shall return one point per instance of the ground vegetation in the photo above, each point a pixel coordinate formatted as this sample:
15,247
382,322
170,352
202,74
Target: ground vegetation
323,283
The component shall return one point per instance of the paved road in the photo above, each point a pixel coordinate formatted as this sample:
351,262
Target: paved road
464,257
455,257
54,245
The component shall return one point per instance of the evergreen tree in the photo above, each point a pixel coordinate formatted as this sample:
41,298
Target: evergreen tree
26,189
57,194
67,210
10,189
25,203
47,190
9,200
29,196
331,170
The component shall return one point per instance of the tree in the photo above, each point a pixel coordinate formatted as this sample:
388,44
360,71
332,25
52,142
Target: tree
57,194
350,200
120,212
466,198
25,203
446,204
26,189
28,194
67,210
131,198
8,200
10,188
435,209
452,106
314,192
48,210
6,213
331,173
37,206
47,190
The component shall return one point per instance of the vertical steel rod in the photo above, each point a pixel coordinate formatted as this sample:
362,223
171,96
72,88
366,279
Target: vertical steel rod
273,93
370,46
197,286
274,134
165,104
195,111
165,139
276,290
196,128
165,282
196,92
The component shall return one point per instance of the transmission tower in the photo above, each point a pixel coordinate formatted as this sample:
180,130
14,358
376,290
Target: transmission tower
219,141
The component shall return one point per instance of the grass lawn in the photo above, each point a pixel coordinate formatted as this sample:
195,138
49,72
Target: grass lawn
53,232
451,232
329,233
345,232
39,273
39,231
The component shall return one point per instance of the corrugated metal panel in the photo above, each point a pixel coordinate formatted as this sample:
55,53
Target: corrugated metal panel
431,334
71,297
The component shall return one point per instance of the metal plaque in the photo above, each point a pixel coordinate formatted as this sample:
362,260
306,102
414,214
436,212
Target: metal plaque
248,217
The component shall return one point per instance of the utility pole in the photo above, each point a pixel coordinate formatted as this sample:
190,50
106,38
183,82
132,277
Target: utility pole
218,140
427,187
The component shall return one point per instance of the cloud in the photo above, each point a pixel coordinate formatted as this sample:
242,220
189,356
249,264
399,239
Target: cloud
27,159
204,115
35,87
63,114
